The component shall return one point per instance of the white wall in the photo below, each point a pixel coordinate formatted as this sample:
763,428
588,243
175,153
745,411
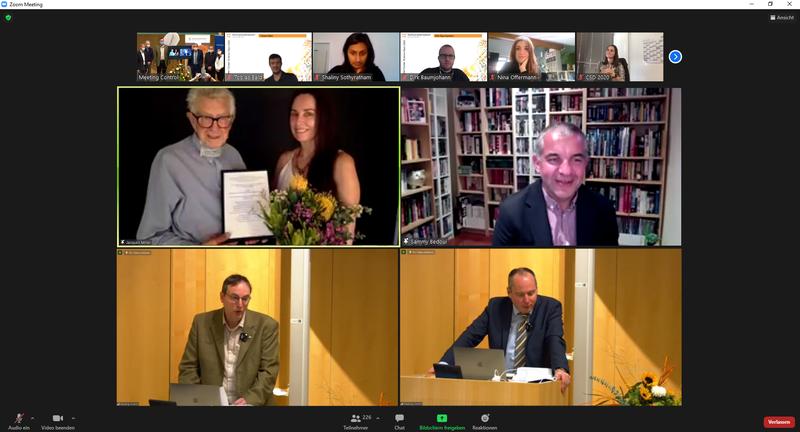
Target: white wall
387,52
631,47
672,205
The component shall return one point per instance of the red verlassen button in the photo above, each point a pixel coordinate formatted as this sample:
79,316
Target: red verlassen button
774,422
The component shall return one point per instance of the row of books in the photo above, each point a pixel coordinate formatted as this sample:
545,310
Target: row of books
498,97
625,170
470,166
499,162
424,232
530,127
444,167
471,144
634,111
445,186
471,213
566,103
624,141
524,104
442,148
470,121
499,121
494,213
622,92
500,144
411,149
415,208
471,183
500,176
467,99
575,119
632,199
412,110
499,194
440,125
523,146
637,225
523,166
447,204
447,225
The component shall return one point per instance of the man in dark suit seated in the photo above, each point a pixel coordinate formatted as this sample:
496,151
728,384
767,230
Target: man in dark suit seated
527,326
557,210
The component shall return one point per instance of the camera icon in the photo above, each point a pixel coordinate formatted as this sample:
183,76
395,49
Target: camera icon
58,418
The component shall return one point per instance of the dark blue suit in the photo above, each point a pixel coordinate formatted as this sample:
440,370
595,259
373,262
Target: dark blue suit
545,346
196,62
523,219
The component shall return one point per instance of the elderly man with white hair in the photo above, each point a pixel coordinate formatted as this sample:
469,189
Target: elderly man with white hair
183,204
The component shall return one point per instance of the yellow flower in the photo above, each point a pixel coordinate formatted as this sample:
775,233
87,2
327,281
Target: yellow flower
298,183
645,393
327,204
648,379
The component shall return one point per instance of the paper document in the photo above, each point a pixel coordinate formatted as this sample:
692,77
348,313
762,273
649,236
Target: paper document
532,374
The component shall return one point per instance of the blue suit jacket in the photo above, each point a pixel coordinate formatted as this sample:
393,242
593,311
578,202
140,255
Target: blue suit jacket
545,346
523,219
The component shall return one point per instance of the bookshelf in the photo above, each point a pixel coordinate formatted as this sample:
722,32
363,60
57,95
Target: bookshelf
628,135
418,209
534,110
468,112
440,162
495,133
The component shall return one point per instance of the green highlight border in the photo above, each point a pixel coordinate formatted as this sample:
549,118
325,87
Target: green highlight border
399,173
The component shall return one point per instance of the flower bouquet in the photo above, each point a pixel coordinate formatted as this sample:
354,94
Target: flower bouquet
181,72
302,216
645,392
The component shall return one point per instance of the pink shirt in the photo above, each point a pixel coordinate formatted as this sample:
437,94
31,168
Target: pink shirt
562,222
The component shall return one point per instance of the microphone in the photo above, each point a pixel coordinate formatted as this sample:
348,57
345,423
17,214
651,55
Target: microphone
528,326
244,337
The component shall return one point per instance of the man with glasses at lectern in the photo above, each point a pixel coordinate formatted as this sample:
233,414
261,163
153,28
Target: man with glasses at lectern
233,348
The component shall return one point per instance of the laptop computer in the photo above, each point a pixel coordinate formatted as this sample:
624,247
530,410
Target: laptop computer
197,395
479,364
447,371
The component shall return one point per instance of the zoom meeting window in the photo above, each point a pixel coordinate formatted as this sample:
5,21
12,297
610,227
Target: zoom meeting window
422,219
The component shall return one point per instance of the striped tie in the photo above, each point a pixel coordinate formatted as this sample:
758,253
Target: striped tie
522,337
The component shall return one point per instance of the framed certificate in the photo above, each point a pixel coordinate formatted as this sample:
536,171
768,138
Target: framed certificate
241,192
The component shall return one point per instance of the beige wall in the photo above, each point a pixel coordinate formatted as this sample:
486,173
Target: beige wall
637,315
353,340
159,294
443,291
143,327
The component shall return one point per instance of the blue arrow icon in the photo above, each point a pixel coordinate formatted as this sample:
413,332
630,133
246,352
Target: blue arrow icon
675,56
